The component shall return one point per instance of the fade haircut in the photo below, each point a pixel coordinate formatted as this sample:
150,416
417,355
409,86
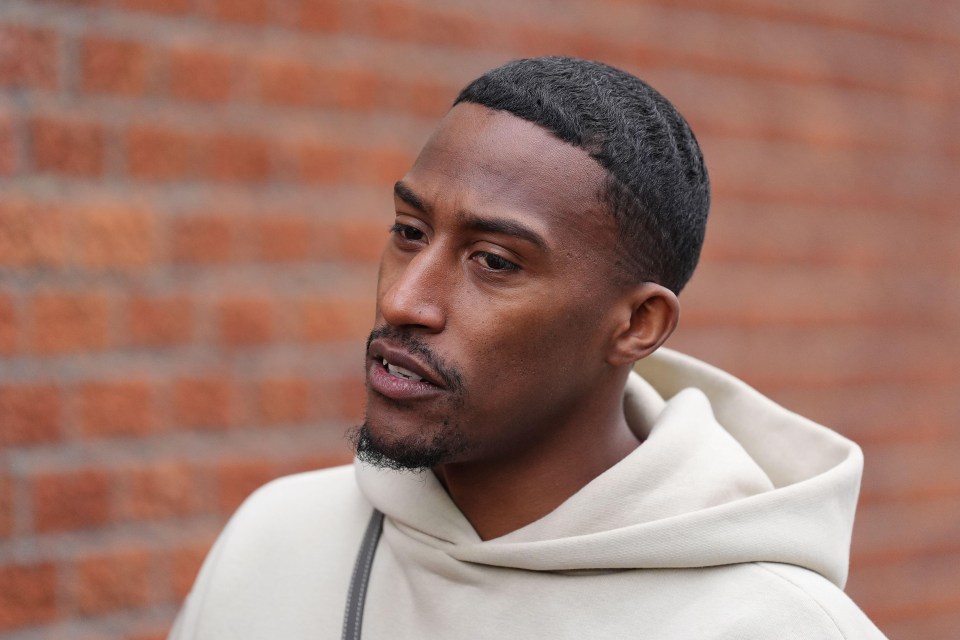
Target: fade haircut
657,186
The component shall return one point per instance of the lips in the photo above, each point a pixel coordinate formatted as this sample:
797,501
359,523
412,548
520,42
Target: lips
395,373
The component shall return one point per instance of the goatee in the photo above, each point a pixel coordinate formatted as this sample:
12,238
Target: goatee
414,453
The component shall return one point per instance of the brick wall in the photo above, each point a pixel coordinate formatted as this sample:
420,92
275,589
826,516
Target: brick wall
194,195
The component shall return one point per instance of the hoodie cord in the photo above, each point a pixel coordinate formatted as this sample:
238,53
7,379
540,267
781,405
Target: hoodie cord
353,616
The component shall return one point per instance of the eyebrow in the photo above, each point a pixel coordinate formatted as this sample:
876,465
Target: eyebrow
473,221
504,227
405,193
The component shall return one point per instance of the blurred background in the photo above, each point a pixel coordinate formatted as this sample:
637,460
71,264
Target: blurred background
194,198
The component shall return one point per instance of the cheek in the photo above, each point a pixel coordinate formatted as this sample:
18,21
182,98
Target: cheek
501,351
522,348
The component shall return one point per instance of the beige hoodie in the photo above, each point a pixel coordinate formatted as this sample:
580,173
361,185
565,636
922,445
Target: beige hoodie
732,520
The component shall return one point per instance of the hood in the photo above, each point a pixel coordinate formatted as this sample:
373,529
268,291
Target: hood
724,476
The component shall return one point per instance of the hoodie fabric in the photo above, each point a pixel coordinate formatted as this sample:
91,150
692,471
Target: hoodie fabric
732,519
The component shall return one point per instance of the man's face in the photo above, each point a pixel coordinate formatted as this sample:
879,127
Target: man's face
492,289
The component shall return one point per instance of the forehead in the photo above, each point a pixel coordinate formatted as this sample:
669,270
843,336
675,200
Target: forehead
481,160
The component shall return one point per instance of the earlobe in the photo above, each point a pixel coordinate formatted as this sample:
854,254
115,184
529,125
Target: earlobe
653,312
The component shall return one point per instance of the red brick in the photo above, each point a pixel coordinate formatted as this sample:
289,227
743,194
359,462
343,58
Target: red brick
924,580
252,12
185,565
202,402
112,581
341,399
75,3
71,147
531,39
934,521
336,319
423,97
29,413
236,158
8,325
791,295
831,357
7,162
744,232
427,98
924,624
27,595
348,88
28,57
115,408
844,175
6,506
462,29
394,21
113,66
245,321
362,240
283,401
205,76
877,412
161,490
202,239
71,500
114,236
353,398
321,15
238,479
69,322
165,7
908,470
157,153
321,164
284,238
428,25
381,166
31,235
286,82
155,321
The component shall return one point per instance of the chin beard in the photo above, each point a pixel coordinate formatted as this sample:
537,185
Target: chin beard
414,453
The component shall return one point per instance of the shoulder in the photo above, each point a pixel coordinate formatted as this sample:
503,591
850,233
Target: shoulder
759,600
287,551
297,515
808,604
333,488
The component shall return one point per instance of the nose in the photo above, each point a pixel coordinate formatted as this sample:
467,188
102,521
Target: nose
410,293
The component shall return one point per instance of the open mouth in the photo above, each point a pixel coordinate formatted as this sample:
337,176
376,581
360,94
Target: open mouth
399,383
394,372
399,372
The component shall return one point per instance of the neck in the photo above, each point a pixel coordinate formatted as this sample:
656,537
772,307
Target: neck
505,493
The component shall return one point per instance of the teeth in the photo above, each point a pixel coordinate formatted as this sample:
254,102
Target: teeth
400,372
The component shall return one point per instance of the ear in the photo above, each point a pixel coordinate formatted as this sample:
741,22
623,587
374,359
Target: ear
650,313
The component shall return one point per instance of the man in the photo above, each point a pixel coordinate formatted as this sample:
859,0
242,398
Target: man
531,485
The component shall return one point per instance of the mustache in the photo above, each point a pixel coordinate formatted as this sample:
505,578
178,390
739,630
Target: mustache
449,375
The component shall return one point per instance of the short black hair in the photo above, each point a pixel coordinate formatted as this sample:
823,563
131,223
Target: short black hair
657,189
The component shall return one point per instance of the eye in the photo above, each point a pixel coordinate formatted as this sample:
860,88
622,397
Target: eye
406,232
493,262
